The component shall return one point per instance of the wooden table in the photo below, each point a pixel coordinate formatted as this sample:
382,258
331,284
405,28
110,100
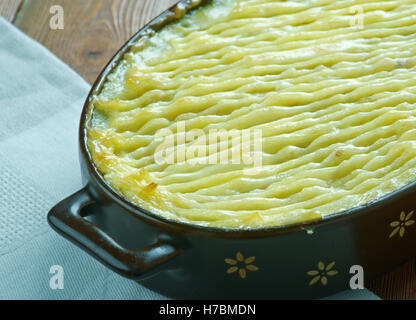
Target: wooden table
94,30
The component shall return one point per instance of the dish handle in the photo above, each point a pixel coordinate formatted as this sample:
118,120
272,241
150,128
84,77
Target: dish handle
66,219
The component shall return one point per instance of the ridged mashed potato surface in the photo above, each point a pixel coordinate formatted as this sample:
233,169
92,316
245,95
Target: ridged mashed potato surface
330,85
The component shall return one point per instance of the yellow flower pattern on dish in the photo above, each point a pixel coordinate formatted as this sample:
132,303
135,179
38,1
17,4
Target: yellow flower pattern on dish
241,265
401,225
322,273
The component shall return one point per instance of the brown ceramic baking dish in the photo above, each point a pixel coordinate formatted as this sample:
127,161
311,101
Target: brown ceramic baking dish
181,260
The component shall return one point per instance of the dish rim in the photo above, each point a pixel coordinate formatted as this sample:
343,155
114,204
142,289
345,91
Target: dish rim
165,18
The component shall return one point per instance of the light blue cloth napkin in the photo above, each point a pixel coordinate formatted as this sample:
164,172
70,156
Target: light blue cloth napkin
40,103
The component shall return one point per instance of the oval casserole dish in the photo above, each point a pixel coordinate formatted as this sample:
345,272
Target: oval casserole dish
183,260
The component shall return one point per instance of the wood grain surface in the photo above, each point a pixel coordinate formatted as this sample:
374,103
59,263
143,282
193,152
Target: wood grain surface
9,8
94,30
399,284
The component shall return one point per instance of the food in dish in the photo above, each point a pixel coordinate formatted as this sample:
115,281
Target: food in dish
323,91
